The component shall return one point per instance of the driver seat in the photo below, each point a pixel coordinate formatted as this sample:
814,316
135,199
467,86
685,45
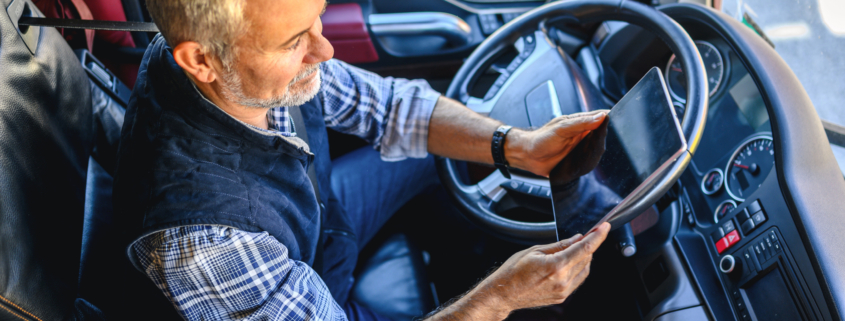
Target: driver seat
59,131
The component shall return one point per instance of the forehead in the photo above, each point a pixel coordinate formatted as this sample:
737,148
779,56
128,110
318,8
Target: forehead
281,19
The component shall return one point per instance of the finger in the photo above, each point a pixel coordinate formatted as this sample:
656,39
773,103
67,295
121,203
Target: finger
555,247
586,246
576,124
577,281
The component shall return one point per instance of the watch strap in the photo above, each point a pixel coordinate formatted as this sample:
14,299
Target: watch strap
498,149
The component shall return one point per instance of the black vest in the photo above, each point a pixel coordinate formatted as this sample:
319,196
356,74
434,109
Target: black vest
183,161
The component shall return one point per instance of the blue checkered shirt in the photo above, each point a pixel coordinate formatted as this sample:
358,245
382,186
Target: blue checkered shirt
223,273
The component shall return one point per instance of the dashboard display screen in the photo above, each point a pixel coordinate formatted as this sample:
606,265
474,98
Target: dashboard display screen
738,114
770,298
640,137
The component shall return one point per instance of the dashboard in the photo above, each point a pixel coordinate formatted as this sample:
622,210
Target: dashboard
743,248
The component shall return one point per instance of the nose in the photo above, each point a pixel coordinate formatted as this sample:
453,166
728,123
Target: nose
320,49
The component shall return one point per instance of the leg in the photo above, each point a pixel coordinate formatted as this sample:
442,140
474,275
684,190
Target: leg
373,190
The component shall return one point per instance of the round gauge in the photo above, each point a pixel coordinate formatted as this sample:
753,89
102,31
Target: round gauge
723,209
749,165
712,181
713,65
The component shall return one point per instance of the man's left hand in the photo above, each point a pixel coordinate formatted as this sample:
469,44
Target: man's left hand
540,150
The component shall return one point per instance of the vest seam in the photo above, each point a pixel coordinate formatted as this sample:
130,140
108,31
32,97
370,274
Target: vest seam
200,161
212,192
196,172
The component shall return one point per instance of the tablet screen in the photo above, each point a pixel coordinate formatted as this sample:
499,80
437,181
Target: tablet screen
641,136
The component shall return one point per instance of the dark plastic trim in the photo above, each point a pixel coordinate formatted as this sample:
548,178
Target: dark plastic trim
810,178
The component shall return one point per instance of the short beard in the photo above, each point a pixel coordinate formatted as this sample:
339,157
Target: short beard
296,94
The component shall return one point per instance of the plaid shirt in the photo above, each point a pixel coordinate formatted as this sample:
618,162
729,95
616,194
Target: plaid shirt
223,273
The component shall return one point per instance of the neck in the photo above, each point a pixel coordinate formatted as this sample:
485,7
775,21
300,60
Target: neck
253,116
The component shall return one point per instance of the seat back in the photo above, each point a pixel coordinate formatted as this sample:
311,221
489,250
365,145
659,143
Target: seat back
47,134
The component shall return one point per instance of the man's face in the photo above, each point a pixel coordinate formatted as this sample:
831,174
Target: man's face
277,62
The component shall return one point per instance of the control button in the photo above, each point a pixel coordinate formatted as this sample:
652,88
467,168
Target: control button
729,226
494,89
515,64
545,192
744,316
740,305
529,189
502,79
722,245
728,264
733,238
773,235
747,226
758,218
726,242
743,216
754,207
718,234
735,293
513,185
765,249
752,259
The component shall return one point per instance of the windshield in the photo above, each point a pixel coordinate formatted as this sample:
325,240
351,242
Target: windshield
810,36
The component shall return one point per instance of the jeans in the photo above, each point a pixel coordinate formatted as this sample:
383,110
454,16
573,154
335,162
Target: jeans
371,191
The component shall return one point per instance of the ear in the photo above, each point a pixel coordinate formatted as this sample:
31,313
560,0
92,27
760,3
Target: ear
190,56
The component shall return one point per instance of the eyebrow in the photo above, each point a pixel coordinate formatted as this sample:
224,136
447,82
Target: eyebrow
287,43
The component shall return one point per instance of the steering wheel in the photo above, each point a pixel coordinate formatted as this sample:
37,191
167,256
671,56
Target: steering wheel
541,76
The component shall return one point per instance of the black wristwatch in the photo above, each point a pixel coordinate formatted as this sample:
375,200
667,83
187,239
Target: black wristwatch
498,149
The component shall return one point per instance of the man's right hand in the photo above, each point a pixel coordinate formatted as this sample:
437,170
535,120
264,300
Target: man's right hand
538,276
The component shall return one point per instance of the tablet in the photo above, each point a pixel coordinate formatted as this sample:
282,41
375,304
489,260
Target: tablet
641,140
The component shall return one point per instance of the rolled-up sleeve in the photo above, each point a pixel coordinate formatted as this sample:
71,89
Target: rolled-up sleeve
391,113
222,273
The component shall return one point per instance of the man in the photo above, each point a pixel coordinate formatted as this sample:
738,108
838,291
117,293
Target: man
212,183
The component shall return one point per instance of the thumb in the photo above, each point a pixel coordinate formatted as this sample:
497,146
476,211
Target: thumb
577,124
558,246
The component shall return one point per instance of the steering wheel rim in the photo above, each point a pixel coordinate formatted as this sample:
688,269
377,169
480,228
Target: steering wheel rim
473,202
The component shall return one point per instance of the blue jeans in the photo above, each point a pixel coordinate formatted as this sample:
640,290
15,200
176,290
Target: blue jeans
371,191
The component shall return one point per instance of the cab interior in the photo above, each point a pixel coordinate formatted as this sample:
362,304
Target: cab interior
750,230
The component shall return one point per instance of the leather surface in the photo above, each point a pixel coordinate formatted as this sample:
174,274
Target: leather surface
345,28
393,283
45,140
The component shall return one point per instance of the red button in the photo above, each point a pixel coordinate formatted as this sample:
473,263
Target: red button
726,242
722,245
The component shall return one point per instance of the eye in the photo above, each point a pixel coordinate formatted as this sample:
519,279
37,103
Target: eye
295,45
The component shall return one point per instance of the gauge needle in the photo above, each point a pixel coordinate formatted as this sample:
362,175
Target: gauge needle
677,69
741,166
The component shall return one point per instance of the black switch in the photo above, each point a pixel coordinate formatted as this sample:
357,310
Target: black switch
754,207
729,226
758,218
747,226
742,216
718,234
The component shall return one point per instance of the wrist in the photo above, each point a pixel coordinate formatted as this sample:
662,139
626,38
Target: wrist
515,148
491,299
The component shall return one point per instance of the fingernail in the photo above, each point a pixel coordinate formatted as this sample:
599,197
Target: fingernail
598,116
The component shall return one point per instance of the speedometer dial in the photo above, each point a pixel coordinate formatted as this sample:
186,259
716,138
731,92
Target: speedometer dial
749,166
714,66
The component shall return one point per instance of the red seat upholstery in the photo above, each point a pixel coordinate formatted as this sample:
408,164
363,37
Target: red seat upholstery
112,10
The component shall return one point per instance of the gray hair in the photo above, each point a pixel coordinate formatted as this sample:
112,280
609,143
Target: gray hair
214,24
